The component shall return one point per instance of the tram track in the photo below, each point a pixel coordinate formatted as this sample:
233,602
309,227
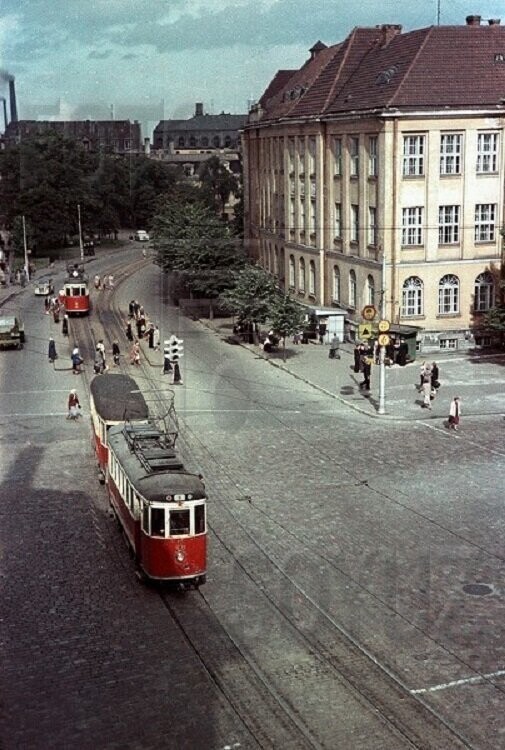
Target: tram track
371,682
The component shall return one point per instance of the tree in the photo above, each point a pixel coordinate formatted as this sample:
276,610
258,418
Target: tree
192,241
217,182
495,320
252,295
149,180
286,316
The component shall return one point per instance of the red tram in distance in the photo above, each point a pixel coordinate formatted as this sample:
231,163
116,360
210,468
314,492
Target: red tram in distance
160,506
76,291
114,399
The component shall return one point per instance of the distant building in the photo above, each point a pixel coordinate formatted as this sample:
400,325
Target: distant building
119,136
386,145
191,142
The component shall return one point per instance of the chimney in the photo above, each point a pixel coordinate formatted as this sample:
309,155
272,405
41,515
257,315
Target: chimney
199,109
5,113
494,21
316,49
12,94
388,32
473,20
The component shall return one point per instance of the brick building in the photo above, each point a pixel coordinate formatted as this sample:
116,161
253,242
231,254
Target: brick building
392,144
119,136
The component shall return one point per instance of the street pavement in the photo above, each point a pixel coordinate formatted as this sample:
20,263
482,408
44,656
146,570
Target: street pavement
476,378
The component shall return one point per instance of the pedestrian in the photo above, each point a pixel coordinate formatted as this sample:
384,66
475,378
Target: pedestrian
367,371
425,374
150,335
156,338
51,351
454,413
111,281
167,365
47,305
136,309
403,351
177,379
64,325
322,332
357,356
56,313
144,252
76,360
129,332
334,348
74,407
98,281
135,353
138,324
426,391
435,382
115,353
296,337
131,308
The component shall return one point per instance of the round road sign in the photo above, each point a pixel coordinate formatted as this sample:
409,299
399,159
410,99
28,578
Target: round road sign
369,312
383,339
384,326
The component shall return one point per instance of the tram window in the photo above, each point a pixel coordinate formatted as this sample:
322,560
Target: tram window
179,522
145,519
199,519
158,522
76,291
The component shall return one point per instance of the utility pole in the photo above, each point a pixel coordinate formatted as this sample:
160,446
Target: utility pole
382,354
25,245
81,246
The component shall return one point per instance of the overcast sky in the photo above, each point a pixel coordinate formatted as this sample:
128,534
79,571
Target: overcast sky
138,53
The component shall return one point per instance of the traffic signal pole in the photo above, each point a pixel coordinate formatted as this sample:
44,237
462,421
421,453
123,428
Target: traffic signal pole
382,353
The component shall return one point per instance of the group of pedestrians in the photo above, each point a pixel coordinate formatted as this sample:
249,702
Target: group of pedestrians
429,383
106,283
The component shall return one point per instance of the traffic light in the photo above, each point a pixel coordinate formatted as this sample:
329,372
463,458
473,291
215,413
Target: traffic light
176,349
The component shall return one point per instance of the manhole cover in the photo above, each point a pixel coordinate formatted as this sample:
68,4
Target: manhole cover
477,589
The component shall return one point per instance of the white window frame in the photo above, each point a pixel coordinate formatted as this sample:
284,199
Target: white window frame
301,275
372,156
303,222
312,277
487,153
354,156
412,297
370,290
336,284
485,222
292,272
413,155
338,220
337,155
354,222
450,153
448,225
353,288
372,225
448,295
483,292
412,226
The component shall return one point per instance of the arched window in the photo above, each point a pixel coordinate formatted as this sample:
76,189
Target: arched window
181,141
352,289
336,284
412,297
448,295
312,277
192,142
216,142
292,272
205,142
301,275
370,290
227,142
276,260
484,292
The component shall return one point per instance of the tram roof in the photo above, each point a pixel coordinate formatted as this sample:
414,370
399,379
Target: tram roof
151,478
117,398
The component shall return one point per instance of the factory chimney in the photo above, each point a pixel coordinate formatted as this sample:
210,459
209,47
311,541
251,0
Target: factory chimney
5,112
12,95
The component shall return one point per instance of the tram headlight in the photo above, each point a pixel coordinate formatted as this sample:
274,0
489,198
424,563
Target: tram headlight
180,555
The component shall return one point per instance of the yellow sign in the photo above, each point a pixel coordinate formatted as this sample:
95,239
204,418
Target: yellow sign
383,339
365,331
369,312
384,326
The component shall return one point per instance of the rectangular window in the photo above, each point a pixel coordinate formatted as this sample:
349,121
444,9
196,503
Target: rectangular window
179,522
302,215
485,217
292,217
412,226
487,153
448,225
338,220
337,154
291,154
199,519
372,156
413,155
158,522
354,223
312,155
312,215
354,156
301,155
372,226
450,153
448,343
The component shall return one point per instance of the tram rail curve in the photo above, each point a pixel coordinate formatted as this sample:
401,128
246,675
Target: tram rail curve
252,694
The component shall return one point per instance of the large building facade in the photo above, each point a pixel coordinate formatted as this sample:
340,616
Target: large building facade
117,136
388,146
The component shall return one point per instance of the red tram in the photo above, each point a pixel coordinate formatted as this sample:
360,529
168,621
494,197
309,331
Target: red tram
114,399
160,506
76,291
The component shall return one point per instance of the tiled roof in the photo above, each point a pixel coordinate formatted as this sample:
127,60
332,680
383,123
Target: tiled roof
277,83
435,67
203,122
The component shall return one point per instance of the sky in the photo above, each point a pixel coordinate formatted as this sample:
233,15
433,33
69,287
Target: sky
153,59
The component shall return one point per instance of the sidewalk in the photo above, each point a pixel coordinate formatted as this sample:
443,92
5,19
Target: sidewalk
477,379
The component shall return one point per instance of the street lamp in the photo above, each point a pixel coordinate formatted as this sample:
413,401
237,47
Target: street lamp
382,354
81,246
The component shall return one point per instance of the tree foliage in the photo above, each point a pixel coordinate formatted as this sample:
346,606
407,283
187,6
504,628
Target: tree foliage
192,241
286,316
218,183
252,295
